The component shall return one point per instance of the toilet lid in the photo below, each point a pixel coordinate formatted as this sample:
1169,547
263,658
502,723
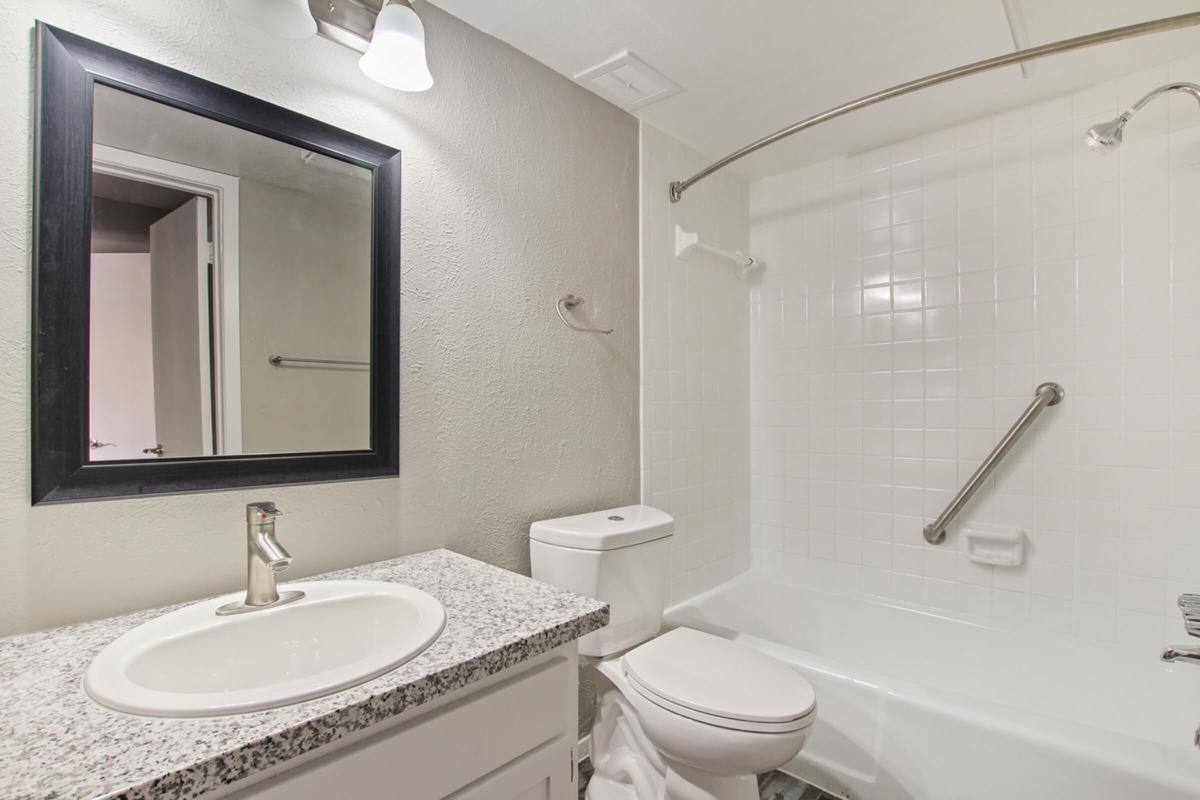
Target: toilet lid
720,681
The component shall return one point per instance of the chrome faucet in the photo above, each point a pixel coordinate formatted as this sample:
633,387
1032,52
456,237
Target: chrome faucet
265,558
1189,606
1188,655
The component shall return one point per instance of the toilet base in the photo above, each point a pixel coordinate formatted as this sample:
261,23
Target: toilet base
685,783
626,766
743,787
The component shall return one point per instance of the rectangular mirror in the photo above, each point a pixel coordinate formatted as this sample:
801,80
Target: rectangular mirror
230,297
217,286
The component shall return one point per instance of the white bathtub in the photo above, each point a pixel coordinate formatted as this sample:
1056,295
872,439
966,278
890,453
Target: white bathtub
913,705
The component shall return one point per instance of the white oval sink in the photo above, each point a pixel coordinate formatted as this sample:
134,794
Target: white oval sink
193,663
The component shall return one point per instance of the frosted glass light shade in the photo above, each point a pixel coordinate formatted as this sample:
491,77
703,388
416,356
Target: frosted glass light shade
396,57
290,19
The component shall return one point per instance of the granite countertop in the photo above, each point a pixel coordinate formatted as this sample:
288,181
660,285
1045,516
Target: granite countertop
55,742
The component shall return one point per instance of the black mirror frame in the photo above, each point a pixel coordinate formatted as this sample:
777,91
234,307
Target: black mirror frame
68,67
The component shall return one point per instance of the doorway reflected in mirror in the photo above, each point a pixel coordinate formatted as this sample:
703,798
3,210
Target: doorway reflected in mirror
214,252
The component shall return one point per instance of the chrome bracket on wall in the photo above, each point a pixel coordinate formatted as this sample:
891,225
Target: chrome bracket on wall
347,22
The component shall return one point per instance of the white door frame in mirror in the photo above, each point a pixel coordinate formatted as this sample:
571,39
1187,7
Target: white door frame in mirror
222,191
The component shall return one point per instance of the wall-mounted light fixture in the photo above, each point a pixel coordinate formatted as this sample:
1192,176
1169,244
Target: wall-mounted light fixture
388,33
396,56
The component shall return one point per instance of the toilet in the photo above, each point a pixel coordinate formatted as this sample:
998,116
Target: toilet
684,714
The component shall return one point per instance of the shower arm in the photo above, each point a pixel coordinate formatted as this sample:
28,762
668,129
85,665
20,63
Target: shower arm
1179,86
677,188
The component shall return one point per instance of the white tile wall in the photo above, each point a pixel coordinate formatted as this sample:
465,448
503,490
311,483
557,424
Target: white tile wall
695,369
914,298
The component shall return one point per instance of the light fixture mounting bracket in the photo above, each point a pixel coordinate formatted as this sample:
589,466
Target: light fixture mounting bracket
347,22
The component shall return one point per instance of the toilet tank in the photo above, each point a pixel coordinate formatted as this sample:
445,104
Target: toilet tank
620,556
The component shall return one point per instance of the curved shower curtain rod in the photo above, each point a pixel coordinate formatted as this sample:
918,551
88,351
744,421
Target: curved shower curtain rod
1020,56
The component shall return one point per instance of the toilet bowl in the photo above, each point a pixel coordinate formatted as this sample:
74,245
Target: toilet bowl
683,714
692,715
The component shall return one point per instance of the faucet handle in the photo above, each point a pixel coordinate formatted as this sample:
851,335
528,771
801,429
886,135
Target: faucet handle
1189,606
261,511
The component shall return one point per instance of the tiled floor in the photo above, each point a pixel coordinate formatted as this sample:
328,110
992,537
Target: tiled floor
771,786
777,786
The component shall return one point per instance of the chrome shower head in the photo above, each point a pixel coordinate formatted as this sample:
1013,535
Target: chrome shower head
1107,136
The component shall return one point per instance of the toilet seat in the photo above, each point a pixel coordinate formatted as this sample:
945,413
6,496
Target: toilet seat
718,682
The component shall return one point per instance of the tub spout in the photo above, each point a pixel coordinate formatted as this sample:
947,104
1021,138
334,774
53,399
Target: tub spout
1190,655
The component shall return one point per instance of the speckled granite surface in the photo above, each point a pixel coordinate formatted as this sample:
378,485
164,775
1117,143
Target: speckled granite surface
55,742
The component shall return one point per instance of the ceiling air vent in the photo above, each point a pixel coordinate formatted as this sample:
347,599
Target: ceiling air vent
628,81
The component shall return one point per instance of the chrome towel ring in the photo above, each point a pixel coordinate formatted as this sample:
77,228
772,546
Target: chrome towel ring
571,301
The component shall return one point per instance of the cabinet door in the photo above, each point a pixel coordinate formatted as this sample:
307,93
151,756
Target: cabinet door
449,749
547,773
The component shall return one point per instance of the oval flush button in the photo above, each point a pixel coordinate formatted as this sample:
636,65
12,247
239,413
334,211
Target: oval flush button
616,518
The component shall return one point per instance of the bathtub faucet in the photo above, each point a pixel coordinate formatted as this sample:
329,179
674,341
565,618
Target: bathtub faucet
1190,655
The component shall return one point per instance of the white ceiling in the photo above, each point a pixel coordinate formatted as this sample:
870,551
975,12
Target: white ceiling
751,67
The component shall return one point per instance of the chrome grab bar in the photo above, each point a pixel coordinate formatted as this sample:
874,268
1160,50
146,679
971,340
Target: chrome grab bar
1046,394
287,361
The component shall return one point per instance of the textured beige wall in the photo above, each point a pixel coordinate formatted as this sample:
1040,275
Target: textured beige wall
518,187
305,278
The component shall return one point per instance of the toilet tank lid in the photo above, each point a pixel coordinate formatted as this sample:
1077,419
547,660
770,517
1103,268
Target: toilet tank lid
605,530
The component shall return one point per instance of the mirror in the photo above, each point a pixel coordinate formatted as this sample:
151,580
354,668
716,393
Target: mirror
216,295
230,290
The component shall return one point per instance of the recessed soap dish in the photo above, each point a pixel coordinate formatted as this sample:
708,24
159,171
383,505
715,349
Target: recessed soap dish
996,546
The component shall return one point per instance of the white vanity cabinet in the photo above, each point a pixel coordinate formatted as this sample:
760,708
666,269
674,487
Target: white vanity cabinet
511,736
